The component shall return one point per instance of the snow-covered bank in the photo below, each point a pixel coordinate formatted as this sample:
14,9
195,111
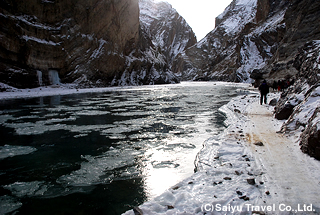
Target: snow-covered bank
248,169
67,89
63,89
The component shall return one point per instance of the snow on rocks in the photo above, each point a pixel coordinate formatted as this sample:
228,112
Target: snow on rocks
235,176
233,23
8,92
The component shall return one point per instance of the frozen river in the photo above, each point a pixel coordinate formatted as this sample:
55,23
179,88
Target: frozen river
103,153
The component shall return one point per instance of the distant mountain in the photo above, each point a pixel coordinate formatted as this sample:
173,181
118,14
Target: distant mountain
257,38
169,31
89,43
163,35
246,37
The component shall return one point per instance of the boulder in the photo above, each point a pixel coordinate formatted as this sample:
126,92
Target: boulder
284,111
137,211
273,102
256,74
310,138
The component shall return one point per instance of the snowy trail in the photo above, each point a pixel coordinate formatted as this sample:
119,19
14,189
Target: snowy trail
291,176
285,181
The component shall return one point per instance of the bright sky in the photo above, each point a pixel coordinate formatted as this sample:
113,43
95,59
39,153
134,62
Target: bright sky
200,14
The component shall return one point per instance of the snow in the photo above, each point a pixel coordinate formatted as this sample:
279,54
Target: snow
306,109
284,177
251,58
99,51
271,24
286,180
32,21
62,89
234,23
163,16
42,41
11,151
47,1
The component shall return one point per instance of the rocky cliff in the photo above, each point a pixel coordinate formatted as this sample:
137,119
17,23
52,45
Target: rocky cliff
246,37
163,34
300,104
298,57
169,31
90,43
253,39
266,39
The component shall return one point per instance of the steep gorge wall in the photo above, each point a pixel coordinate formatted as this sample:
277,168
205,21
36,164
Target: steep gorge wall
163,34
267,39
246,37
301,20
297,57
253,39
81,36
87,42
300,51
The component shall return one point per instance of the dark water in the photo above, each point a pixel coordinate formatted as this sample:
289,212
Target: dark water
103,153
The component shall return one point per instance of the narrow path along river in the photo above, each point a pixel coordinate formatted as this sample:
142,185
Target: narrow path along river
292,176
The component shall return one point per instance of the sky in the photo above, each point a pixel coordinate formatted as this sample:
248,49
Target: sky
200,14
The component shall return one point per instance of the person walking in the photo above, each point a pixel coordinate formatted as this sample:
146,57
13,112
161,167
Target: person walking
264,90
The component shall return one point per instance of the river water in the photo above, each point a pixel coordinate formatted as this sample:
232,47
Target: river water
103,153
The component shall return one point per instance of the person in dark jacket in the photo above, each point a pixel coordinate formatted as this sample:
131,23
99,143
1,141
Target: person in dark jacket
264,90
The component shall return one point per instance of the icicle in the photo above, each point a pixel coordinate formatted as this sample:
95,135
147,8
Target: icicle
54,77
39,74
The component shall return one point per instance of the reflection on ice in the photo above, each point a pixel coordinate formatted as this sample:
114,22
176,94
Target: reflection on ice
149,134
164,164
103,169
34,188
92,112
8,204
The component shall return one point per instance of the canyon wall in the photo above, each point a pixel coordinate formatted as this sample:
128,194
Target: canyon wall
88,43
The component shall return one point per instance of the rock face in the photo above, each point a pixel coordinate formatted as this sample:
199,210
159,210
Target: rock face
253,39
91,43
266,39
301,29
77,38
246,37
170,33
304,96
163,34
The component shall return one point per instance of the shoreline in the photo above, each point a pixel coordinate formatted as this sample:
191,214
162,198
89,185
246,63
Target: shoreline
234,172
65,89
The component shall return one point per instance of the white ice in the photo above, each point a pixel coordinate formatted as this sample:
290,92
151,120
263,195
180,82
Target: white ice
11,151
284,177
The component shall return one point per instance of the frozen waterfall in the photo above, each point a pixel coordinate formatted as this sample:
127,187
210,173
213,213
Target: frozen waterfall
39,74
54,77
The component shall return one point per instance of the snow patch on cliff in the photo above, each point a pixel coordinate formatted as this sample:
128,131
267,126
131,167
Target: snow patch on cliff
237,15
